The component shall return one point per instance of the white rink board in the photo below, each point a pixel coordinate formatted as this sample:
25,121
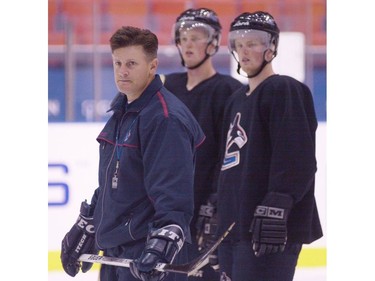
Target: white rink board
74,146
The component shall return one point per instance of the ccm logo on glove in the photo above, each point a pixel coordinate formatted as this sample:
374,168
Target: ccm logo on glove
270,212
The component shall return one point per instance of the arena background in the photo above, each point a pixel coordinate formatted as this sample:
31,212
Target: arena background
24,146
81,86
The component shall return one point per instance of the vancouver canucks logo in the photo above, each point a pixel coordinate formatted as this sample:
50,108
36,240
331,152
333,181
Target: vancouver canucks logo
236,139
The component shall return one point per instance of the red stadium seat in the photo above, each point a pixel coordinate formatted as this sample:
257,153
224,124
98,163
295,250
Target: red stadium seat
308,16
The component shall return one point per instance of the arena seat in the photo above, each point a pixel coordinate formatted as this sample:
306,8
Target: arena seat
163,16
308,16
56,35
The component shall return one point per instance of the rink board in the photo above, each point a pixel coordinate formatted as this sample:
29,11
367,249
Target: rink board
72,177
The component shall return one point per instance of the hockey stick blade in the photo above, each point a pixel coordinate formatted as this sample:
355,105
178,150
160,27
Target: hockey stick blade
190,268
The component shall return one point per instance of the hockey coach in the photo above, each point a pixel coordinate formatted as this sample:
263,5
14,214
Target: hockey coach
144,203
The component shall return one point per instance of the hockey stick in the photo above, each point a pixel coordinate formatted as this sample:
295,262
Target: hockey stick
190,268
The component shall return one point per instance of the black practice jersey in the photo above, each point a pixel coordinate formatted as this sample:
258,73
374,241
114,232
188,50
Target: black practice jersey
269,146
206,101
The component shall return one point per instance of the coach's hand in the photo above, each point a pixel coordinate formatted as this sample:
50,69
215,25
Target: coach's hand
79,240
161,247
269,226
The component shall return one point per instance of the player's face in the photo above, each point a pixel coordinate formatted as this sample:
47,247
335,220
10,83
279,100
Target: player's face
250,52
193,45
133,70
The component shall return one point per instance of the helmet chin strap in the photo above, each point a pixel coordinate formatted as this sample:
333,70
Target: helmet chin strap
201,62
265,62
256,73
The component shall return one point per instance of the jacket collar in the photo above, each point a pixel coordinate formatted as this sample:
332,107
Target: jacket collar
120,100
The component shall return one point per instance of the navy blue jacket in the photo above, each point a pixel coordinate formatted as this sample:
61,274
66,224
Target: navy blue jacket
153,141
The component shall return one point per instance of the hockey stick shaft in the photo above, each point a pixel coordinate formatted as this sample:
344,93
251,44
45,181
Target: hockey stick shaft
114,261
189,268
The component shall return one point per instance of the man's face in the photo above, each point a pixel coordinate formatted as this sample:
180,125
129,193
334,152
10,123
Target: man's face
251,47
193,44
250,51
133,70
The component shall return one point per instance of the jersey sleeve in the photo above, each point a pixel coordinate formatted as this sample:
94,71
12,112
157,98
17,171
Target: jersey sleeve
292,126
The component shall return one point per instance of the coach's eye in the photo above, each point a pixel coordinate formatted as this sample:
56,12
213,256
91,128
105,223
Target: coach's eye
131,64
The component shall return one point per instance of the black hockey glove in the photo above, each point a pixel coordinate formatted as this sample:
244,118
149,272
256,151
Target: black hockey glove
206,229
269,226
162,246
79,240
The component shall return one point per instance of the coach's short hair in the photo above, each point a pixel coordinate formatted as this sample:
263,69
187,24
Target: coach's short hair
134,36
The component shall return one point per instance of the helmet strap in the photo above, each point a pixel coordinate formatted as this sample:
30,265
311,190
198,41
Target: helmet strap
199,64
202,61
182,60
259,70
264,63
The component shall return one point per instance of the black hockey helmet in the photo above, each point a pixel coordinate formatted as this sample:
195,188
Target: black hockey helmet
260,24
259,20
203,19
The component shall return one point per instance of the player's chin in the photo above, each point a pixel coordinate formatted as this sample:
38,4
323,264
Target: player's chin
248,70
189,62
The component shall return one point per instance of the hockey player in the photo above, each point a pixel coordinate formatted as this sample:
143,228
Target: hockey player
267,176
197,34
144,203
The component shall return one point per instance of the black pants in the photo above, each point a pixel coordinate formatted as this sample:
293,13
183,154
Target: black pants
239,263
117,273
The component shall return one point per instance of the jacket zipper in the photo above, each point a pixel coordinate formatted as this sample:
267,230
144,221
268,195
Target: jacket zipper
106,185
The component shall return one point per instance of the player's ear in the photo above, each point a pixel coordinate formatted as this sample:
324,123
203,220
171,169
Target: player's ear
211,50
270,54
154,64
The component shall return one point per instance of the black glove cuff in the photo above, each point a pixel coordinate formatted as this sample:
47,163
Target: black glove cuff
278,200
212,199
162,244
86,209
171,232
207,211
85,220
